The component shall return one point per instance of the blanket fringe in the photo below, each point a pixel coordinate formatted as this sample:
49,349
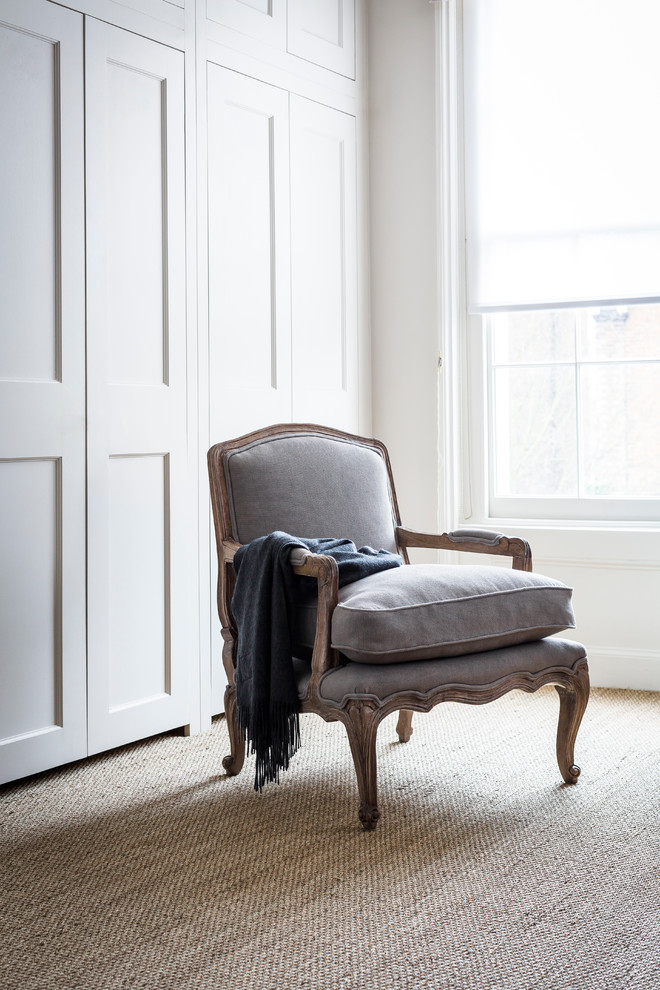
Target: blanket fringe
272,733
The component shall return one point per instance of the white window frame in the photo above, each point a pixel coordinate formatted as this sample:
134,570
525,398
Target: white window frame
454,494
465,433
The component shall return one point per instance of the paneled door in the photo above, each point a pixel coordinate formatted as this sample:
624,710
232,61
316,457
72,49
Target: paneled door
42,389
248,270
248,253
142,659
324,265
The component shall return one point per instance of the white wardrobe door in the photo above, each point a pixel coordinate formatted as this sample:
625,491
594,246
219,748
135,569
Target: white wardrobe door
42,390
248,271
323,32
324,265
141,572
248,254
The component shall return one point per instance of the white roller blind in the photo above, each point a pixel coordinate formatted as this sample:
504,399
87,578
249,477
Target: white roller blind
562,145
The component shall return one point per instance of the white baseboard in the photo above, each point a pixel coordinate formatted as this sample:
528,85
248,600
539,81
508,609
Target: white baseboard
637,670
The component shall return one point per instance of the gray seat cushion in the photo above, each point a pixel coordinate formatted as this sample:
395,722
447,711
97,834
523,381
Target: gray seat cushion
423,676
423,611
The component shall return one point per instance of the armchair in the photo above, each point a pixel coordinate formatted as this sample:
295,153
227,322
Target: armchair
405,639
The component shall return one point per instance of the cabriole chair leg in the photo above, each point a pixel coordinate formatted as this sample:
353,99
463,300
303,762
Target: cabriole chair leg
233,762
404,728
573,697
361,719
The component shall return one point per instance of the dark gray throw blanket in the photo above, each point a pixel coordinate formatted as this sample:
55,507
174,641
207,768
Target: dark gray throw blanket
266,591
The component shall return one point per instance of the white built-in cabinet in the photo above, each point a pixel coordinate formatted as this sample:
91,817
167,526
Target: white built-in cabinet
179,253
42,389
96,471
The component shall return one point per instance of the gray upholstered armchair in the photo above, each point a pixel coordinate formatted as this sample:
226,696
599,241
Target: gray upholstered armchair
404,639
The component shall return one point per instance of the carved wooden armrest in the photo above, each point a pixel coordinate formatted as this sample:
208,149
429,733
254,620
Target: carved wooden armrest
471,541
226,581
307,564
326,572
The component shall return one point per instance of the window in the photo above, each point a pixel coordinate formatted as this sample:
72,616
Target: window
573,412
560,160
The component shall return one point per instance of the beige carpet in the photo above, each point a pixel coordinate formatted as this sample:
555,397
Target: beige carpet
148,868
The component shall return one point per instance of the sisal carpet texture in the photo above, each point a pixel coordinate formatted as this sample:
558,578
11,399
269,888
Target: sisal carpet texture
148,868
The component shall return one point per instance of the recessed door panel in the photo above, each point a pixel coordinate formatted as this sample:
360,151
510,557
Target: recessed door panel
30,604
248,253
246,317
42,390
321,297
323,265
29,207
136,215
139,579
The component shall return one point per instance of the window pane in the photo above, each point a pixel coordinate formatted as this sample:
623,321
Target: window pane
619,333
535,431
533,336
620,419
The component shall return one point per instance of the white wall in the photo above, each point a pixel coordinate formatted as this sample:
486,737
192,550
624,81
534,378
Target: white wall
403,249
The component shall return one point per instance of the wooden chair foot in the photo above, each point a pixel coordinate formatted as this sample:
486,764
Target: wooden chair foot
231,765
233,762
404,727
369,816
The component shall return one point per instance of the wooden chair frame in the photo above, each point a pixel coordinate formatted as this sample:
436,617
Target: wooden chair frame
362,715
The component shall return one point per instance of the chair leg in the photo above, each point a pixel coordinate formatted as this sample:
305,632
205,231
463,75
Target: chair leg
404,727
361,720
233,762
573,699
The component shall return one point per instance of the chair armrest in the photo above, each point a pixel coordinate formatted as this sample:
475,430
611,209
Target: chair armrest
307,564
317,565
326,572
302,561
471,541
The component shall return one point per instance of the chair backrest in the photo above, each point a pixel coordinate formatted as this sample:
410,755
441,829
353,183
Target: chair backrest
309,481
